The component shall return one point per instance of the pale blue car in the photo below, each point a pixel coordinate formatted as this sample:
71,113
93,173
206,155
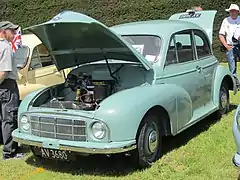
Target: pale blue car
134,83
236,135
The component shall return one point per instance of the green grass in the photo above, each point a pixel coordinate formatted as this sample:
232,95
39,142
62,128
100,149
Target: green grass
204,151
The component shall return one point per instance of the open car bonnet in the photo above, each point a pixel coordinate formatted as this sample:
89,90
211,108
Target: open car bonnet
204,19
74,39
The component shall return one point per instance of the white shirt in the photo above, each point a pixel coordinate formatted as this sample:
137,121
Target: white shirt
7,62
229,28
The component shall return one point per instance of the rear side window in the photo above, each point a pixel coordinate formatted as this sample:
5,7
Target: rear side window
202,44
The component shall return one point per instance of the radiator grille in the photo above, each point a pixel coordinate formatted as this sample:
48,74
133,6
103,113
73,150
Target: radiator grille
59,128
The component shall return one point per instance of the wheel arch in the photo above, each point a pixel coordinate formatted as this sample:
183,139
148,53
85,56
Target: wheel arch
229,82
160,111
223,75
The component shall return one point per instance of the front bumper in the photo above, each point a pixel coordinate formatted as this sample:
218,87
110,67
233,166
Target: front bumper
75,146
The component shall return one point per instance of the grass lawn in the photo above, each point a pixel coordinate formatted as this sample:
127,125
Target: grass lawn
204,151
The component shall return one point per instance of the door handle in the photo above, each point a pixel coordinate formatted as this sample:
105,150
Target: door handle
199,69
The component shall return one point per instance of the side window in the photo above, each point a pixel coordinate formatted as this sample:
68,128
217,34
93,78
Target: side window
184,44
171,54
181,48
202,44
35,60
40,57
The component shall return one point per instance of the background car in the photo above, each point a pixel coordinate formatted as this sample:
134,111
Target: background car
236,135
132,84
36,66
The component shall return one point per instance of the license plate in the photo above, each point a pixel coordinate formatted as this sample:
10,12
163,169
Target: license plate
54,154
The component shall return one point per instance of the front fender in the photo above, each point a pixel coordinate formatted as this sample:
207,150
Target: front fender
23,107
123,111
222,73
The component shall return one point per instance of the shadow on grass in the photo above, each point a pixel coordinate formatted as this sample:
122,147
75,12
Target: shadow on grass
232,107
120,165
116,165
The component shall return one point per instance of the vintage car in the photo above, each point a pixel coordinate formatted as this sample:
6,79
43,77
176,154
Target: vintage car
35,66
131,84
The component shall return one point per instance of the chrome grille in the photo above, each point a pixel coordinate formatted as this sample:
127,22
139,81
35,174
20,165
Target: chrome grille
58,128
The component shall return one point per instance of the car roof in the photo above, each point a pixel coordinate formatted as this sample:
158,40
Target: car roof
163,28
30,40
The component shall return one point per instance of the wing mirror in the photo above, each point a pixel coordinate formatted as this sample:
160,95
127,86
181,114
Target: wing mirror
21,56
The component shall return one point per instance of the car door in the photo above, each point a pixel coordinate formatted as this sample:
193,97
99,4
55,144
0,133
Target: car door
182,69
21,57
42,71
207,62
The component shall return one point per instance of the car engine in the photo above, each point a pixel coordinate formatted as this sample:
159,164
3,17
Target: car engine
88,93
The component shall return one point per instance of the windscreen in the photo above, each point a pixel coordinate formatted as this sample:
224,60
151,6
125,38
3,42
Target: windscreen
149,46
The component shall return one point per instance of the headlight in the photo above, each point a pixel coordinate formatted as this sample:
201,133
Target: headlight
24,123
99,130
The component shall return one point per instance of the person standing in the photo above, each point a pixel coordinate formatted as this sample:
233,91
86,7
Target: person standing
229,28
9,93
195,8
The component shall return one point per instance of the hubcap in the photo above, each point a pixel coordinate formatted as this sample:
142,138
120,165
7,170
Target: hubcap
223,100
152,141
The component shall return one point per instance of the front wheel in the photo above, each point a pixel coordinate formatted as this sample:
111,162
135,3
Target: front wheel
149,141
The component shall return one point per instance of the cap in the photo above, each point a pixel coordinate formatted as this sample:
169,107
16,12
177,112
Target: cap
233,7
7,25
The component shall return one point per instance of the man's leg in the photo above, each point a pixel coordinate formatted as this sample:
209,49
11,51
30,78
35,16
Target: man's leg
1,139
237,52
9,122
231,61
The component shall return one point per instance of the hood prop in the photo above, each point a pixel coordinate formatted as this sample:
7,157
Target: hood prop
109,68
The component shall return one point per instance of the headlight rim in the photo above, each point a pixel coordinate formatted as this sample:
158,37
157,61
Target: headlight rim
105,130
23,124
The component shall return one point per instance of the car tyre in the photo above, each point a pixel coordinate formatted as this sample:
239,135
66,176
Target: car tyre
224,102
149,141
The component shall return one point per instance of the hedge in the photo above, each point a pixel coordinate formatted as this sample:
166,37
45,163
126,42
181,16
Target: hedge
110,12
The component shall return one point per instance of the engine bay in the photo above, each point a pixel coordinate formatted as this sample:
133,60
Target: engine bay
85,87
88,92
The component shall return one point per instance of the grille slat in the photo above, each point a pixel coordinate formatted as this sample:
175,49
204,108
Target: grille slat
58,128
35,131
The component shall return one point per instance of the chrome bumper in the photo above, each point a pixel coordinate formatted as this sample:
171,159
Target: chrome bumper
111,148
